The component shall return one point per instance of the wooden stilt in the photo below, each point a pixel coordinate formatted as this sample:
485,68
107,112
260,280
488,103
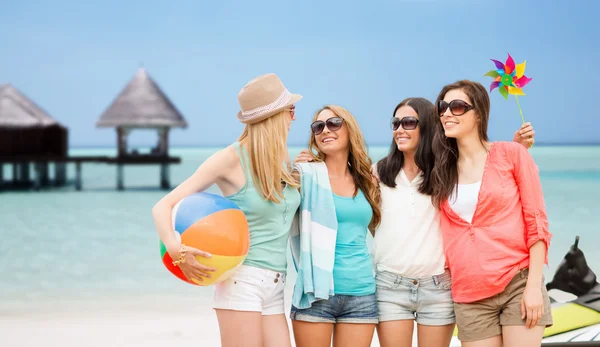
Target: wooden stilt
24,176
164,176
15,173
78,175
43,167
60,174
37,167
120,184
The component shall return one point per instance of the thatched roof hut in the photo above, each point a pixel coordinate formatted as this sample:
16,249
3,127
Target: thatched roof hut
26,129
142,104
16,110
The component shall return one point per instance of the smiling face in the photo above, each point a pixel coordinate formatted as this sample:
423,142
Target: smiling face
334,134
407,140
456,123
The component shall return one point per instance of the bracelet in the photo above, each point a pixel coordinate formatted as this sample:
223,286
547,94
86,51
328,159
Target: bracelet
182,254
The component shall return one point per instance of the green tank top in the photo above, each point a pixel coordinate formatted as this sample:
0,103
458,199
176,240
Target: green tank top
269,222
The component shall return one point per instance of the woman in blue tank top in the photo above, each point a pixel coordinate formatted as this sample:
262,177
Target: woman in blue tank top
351,314
249,304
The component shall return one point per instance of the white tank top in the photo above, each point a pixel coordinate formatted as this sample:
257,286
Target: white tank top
465,202
408,241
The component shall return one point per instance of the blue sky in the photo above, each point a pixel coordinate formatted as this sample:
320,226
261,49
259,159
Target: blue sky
74,57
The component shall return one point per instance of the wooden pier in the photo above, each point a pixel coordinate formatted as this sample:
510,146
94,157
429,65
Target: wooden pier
21,173
29,137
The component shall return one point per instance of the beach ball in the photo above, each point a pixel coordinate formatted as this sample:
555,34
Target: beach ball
213,224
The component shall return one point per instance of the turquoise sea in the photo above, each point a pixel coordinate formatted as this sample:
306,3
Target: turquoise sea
60,245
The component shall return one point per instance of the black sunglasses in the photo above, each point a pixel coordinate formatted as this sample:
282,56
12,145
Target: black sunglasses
333,124
408,123
457,107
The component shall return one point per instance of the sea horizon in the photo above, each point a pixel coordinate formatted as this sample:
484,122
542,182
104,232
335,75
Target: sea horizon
295,145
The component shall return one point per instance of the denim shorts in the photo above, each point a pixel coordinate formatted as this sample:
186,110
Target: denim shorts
339,309
428,300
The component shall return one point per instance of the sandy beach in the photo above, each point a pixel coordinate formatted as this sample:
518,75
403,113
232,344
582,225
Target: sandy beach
112,325
123,322
142,321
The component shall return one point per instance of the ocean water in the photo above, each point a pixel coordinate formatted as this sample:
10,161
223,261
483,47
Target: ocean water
61,245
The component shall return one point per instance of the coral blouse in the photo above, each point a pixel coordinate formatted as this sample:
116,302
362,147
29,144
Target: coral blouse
483,256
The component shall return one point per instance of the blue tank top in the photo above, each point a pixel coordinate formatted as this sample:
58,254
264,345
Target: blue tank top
269,222
353,269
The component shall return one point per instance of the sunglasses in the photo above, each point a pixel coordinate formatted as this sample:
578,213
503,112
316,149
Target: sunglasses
457,107
407,123
333,124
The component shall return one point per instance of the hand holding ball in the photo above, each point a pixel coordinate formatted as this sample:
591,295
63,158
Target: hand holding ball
208,225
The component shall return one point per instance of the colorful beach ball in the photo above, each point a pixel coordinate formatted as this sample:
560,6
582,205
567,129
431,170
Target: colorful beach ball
212,224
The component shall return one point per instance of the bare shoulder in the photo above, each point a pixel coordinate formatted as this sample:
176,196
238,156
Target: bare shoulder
222,161
229,156
225,156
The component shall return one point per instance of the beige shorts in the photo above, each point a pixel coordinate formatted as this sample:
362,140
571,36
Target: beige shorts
484,319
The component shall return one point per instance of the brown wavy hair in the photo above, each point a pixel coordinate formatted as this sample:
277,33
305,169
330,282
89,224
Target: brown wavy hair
444,176
358,160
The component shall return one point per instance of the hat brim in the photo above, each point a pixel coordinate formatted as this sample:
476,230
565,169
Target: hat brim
294,99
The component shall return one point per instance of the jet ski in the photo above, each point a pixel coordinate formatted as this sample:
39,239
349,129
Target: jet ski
575,297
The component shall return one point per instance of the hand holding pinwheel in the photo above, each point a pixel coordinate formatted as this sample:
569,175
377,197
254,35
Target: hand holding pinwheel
509,79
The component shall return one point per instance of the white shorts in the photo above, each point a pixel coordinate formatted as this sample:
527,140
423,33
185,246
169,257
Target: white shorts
251,289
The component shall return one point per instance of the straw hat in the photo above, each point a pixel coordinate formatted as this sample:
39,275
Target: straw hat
263,97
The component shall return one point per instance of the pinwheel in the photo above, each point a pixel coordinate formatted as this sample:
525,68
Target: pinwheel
509,79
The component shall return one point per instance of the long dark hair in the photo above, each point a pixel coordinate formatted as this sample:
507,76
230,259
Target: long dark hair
445,173
389,167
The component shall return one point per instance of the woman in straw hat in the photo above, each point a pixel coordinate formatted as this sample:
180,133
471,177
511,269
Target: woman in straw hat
334,293
252,172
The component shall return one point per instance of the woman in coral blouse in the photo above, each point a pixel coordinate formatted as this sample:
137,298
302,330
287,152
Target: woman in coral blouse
494,225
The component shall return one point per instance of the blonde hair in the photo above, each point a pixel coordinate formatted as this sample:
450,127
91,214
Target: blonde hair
358,160
266,143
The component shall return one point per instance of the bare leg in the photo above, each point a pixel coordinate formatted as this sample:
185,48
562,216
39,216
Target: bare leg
275,331
521,336
435,336
397,333
308,334
495,341
240,328
353,335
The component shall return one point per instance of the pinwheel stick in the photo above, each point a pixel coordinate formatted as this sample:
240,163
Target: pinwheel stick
520,111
